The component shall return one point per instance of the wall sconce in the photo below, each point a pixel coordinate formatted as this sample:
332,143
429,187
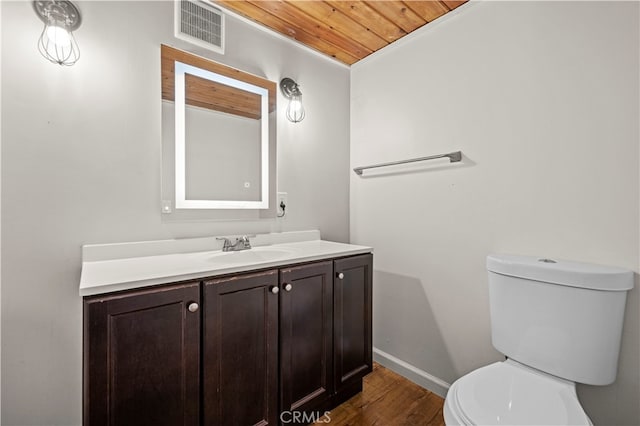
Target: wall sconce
291,91
56,42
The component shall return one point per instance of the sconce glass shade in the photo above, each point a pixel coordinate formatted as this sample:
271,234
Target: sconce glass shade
290,89
295,110
57,43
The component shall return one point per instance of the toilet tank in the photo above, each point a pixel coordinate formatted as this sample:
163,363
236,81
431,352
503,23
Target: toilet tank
564,318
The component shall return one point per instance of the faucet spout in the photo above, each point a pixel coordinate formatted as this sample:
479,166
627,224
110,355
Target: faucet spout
241,243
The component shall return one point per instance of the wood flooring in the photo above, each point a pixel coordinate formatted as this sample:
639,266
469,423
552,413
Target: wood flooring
388,399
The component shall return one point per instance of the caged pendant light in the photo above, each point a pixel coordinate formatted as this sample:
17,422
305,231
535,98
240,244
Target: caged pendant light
56,43
290,89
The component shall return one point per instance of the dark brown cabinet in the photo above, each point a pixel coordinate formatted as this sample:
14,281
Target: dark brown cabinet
273,343
142,357
240,366
352,323
306,336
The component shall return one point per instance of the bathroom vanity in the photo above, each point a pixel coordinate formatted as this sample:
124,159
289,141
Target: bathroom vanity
232,338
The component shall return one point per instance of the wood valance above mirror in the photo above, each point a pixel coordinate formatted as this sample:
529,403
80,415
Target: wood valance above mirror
211,95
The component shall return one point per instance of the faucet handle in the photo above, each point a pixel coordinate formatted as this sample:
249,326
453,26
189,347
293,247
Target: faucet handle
227,242
245,240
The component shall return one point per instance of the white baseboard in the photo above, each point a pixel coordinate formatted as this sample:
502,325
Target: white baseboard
417,376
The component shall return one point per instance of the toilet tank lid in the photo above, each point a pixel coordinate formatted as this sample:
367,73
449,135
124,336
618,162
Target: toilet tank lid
562,272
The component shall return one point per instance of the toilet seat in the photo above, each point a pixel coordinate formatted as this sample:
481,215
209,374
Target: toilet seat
509,393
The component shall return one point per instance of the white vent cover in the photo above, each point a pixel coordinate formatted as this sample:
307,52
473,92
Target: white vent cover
200,23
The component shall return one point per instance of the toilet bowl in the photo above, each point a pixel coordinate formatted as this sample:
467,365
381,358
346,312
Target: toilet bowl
509,393
558,323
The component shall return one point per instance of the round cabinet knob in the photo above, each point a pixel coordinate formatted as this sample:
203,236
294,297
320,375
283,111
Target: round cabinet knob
275,290
193,307
288,287
340,275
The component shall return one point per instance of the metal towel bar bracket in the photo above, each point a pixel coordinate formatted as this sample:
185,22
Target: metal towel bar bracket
454,157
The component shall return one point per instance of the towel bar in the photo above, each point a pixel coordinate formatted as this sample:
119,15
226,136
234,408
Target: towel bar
454,157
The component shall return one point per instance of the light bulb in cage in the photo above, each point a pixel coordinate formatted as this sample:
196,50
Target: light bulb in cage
290,89
57,43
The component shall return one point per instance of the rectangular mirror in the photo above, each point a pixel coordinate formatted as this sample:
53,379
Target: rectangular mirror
220,121
222,158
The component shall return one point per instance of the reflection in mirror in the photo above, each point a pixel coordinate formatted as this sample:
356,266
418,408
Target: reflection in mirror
218,151
205,158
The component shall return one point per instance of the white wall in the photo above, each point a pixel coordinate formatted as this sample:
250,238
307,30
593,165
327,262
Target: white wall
81,164
0,223
543,100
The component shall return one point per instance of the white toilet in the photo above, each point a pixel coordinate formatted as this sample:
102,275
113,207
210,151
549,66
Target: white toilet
558,323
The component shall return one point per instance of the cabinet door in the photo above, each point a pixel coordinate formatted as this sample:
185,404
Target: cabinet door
306,357
240,364
352,318
141,364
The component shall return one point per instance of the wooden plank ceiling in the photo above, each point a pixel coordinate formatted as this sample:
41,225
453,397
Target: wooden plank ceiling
345,30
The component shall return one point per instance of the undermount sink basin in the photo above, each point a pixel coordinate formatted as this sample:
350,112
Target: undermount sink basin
254,255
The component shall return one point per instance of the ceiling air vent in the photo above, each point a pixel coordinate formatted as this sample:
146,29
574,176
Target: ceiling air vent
200,23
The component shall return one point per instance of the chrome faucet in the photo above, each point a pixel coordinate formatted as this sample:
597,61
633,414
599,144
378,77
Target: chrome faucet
241,243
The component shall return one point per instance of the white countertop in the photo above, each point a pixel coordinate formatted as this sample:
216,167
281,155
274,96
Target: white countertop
104,271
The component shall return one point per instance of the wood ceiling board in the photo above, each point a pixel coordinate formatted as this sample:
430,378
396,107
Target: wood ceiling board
428,10
376,23
399,13
452,4
293,15
345,30
341,23
219,97
199,92
221,108
293,31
